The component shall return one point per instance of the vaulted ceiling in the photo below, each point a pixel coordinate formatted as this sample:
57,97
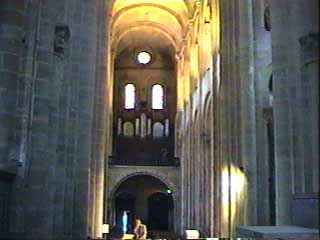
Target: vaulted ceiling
156,23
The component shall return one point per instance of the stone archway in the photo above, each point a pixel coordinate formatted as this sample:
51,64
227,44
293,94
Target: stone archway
156,174
168,176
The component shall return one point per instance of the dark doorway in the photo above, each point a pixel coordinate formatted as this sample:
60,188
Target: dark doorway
144,197
124,202
160,207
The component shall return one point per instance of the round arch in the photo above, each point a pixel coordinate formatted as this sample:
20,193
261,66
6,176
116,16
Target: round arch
177,12
119,13
162,178
170,36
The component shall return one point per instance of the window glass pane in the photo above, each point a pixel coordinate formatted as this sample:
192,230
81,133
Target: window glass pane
157,97
144,57
129,96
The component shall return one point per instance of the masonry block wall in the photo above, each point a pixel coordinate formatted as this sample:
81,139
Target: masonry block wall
246,128
48,52
264,100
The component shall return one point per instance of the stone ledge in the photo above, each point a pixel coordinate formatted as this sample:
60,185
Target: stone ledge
279,232
143,167
8,172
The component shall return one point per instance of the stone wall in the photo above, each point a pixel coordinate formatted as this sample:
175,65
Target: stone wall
56,91
295,75
12,44
260,130
57,43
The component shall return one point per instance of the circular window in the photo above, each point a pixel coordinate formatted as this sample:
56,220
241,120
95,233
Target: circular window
144,57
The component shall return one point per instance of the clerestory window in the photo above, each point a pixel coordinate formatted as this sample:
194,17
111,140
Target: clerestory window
157,97
129,96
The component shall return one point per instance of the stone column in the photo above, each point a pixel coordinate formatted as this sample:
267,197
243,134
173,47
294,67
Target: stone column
282,111
11,42
85,37
310,109
224,116
237,118
263,71
290,22
57,195
247,111
100,128
43,121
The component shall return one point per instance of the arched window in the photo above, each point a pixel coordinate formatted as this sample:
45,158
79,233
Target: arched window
158,130
157,97
129,96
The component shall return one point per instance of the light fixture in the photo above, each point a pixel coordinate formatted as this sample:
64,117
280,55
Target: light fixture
192,234
169,191
105,228
144,57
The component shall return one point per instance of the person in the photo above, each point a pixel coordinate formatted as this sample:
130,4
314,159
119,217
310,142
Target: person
140,230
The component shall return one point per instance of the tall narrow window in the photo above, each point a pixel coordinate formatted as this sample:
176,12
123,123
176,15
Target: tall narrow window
129,96
157,97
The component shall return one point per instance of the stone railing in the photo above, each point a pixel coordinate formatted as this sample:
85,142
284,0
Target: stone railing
152,161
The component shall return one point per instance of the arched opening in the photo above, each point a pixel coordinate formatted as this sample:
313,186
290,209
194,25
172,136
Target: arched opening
157,97
144,197
129,101
160,211
158,130
124,204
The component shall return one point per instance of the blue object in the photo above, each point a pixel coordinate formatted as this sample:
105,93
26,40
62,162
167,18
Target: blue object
125,222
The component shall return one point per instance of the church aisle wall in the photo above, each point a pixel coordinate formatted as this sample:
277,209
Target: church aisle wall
57,92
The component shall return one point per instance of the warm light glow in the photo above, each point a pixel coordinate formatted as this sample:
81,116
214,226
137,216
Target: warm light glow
129,96
192,234
218,71
194,65
144,57
155,8
234,183
105,228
